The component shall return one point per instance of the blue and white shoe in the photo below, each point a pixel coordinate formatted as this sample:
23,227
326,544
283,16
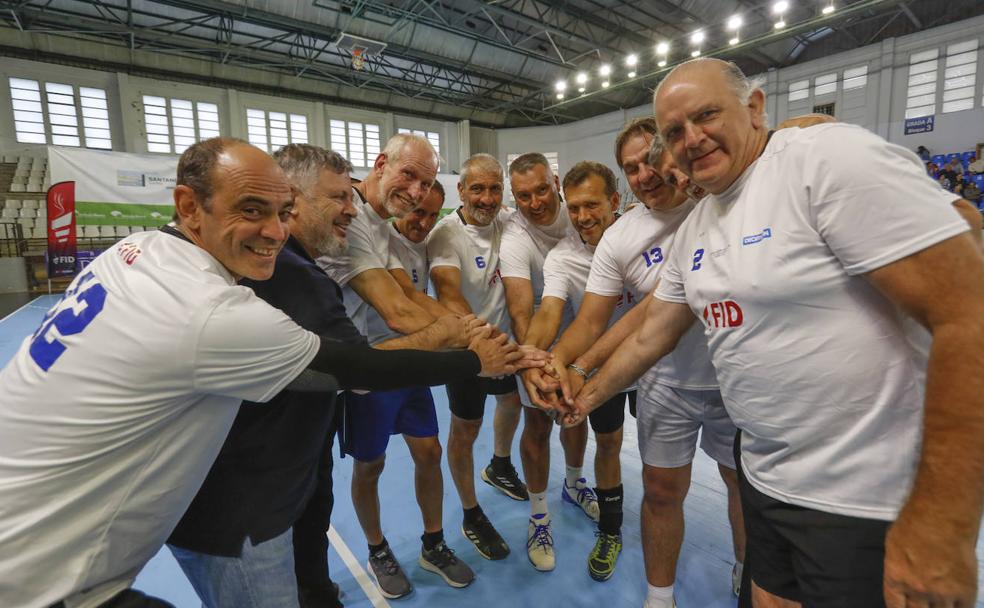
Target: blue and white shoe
582,496
539,543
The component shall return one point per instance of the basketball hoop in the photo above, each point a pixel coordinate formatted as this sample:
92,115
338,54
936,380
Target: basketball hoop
358,59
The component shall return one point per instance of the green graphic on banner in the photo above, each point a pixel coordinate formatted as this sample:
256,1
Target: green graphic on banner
121,214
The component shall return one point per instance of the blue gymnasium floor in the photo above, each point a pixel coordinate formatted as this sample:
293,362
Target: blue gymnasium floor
703,572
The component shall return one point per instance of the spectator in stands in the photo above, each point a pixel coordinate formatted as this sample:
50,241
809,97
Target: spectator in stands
953,170
976,165
972,193
923,153
933,170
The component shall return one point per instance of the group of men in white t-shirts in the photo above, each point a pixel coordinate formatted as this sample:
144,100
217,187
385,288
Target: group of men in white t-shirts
805,305
801,347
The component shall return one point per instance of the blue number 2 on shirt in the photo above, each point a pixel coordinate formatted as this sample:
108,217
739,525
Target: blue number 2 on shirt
73,313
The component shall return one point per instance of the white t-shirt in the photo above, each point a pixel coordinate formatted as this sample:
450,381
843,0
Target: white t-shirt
814,363
565,274
113,412
474,250
631,256
410,257
368,249
525,246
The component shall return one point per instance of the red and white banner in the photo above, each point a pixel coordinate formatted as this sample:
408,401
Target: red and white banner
62,245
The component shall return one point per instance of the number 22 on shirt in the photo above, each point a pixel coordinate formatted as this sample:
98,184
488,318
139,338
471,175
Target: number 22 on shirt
72,314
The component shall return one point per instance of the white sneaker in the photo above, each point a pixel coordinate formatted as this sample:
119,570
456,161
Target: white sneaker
651,603
583,496
539,543
736,578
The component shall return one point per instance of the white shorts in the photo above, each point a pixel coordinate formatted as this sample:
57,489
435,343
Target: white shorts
668,422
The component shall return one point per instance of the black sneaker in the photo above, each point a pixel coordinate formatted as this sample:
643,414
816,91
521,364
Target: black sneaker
442,561
485,538
604,555
319,596
390,579
507,482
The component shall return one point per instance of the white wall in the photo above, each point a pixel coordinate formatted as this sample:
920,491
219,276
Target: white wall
879,106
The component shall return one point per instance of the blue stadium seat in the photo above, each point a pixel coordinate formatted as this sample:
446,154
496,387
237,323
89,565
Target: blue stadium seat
939,159
965,156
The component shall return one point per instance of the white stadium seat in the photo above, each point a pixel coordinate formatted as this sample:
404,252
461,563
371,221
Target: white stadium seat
26,222
136,229
10,213
122,231
31,213
17,188
34,186
108,232
13,203
39,233
30,203
90,232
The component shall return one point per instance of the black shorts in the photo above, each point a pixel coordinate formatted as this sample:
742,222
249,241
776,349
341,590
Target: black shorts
467,397
610,415
819,559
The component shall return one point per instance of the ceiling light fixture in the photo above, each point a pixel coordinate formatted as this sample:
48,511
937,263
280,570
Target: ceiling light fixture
632,74
697,37
561,86
828,9
662,63
734,41
780,7
604,84
695,53
662,48
734,23
582,77
779,24
631,60
605,70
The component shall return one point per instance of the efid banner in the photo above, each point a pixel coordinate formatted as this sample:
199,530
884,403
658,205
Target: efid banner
62,245
116,188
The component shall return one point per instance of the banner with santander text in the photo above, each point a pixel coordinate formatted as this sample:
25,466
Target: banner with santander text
62,246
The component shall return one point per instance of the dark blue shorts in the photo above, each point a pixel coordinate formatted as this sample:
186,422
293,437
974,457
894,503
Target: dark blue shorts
370,419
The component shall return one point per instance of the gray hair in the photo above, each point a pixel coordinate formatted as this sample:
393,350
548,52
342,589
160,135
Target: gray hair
398,144
526,162
480,162
656,151
742,85
303,164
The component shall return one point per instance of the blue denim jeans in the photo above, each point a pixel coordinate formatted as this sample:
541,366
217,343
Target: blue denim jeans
261,577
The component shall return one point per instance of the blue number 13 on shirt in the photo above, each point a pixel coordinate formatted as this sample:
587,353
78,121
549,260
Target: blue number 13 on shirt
73,313
653,256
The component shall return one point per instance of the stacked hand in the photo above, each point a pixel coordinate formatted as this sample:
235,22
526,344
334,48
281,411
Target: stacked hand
462,329
500,357
554,388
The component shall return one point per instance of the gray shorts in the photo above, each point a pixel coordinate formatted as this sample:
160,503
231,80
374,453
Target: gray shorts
669,420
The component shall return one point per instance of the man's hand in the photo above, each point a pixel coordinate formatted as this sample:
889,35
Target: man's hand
576,414
926,566
459,330
498,355
543,389
533,357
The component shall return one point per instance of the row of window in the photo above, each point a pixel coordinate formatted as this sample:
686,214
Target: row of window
50,113
959,80
853,78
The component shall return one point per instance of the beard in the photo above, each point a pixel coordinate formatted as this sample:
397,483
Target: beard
483,217
331,246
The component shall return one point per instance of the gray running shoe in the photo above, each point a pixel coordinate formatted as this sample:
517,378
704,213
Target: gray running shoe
507,482
389,576
442,561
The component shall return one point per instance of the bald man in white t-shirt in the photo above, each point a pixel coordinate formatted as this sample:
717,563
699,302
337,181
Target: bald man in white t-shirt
802,271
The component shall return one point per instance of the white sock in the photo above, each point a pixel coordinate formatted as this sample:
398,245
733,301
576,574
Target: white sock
739,567
573,474
538,503
659,597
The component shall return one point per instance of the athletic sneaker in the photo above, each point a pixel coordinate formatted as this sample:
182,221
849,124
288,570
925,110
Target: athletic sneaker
539,543
736,579
442,561
658,604
390,579
508,482
581,495
601,561
319,596
485,538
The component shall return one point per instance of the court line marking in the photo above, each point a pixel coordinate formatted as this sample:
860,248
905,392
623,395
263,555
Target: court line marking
335,541
22,308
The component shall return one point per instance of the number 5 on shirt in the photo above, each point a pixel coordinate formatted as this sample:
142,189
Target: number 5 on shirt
72,314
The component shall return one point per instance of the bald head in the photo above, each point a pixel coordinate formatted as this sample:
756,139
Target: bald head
711,118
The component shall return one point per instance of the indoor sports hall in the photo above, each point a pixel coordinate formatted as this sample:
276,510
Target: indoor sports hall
100,98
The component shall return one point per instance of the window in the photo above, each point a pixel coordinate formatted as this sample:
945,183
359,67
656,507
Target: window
57,114
825,84
960,76
799,90
274,130
358,142
921,93
855,78
174,124
433,138
827,108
